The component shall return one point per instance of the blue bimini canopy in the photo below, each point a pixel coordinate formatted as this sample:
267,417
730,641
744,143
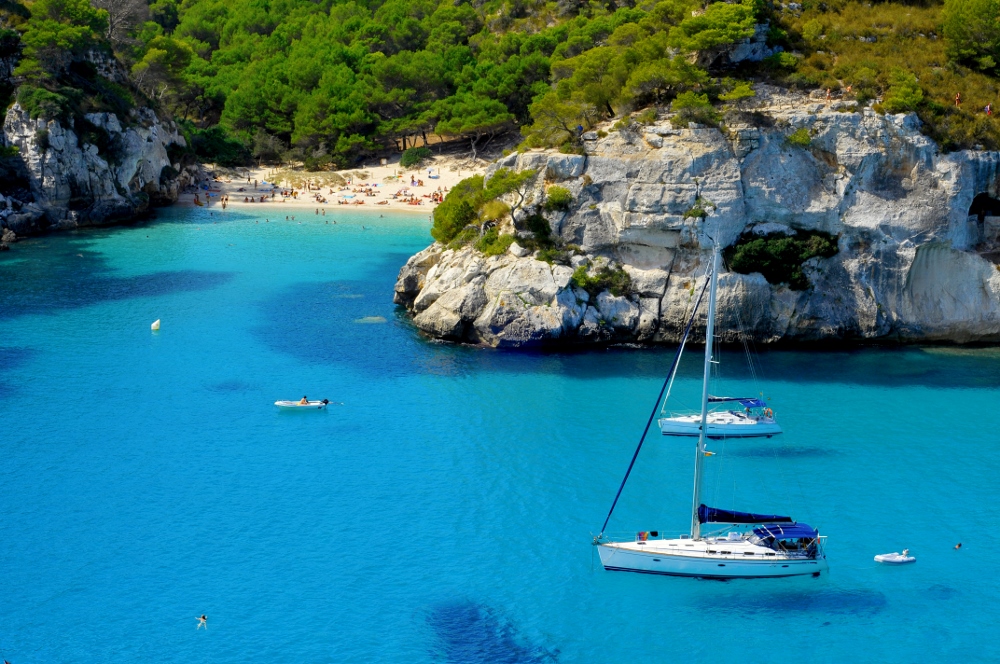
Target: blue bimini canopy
712,515
786,531
746,402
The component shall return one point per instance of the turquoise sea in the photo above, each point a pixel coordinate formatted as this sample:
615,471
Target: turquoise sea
444,512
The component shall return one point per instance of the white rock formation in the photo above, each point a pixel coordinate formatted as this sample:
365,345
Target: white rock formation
912,265
66,182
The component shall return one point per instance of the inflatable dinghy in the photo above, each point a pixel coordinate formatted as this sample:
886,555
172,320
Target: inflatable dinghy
895,558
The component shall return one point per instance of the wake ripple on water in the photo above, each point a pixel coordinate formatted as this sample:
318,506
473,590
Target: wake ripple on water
470,633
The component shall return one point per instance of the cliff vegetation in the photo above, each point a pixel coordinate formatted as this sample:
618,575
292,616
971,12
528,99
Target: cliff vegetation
330,82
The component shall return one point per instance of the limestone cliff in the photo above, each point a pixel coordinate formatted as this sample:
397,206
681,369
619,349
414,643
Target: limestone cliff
916,235
55,179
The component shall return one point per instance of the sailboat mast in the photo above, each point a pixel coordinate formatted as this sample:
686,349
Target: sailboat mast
709,339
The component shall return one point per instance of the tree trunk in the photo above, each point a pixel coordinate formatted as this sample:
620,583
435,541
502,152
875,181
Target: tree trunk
423,135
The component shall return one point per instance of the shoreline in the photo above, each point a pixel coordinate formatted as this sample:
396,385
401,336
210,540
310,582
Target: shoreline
386,187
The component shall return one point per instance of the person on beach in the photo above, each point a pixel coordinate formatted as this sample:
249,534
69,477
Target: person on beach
202,622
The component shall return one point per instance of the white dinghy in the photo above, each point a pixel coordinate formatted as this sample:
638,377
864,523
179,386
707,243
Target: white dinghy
298,405
895,558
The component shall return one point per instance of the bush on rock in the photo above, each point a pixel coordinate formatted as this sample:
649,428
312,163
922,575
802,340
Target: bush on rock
779,257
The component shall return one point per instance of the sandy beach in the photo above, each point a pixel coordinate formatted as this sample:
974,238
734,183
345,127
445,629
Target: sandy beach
373,188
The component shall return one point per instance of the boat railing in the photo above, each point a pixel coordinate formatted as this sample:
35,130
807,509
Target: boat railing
636,536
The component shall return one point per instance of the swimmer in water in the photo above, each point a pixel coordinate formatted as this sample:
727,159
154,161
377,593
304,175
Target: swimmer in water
202,622
958,546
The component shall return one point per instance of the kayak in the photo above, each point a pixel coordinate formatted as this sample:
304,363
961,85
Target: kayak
894,558
295,405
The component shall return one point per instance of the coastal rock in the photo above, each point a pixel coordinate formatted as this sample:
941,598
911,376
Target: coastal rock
517,250
918,237
413,275
57,180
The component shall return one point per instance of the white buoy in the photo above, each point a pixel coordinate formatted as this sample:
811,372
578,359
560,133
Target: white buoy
155,326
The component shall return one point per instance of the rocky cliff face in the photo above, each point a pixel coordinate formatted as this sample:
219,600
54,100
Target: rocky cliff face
917,239
58,180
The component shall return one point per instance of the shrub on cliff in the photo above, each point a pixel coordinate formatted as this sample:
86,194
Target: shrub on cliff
691,107
779,257
604,279
493,243
558,199
458,209
800,138
904,93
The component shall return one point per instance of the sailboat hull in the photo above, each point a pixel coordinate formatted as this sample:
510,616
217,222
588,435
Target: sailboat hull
720,425
700,563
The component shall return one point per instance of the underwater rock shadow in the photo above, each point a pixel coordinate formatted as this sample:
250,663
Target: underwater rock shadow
229,386
470,633
68,276
333,323
782,452
12,357
862,602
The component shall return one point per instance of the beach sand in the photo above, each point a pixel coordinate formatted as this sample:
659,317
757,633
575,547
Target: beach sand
384,181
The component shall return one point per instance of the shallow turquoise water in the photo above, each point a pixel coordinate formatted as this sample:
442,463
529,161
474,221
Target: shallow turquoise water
444,512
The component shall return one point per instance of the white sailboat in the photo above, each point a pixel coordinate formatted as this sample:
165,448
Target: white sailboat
745,545
753,418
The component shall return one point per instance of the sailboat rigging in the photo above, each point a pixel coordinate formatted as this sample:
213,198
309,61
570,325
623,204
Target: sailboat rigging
753,418
776,547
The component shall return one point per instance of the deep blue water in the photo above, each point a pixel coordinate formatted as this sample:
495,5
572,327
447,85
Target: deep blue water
444,512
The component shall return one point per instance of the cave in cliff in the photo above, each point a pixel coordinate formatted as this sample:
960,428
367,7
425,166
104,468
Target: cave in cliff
986,211
984,206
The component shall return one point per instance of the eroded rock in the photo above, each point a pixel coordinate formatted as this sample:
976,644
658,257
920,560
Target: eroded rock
912,263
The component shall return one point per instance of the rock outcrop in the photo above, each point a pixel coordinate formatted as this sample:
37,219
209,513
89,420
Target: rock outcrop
53,179
917,235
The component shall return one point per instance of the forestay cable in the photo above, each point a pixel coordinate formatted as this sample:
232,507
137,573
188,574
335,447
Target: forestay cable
652,416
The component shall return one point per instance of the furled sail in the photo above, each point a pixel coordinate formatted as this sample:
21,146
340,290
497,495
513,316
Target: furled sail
746,402
713,515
